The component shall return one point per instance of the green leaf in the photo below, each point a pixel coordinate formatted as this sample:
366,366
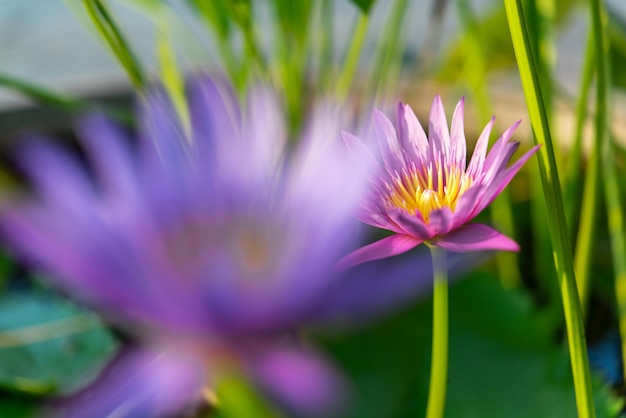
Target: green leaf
43,96
113,38
364,5
215,13
17,407
49,346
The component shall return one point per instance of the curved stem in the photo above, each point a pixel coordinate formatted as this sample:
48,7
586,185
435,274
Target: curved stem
439,362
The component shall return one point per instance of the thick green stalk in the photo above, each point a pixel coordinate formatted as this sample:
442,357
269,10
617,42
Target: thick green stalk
555,211
439,361
351,61
111,34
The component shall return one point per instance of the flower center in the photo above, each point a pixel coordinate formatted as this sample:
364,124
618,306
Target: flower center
195,244
425,189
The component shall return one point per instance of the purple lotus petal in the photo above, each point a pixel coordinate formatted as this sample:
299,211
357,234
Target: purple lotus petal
411,224
361,152
377,219
111,159
139,384
501,151
438,133
432,198
214,112
476,237
388,141
166,144
441,220
68,189
386,247
265,132
480,150
457,137
494,167
411,135
503,180
299,379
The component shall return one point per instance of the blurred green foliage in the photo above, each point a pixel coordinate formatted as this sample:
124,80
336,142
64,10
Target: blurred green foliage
504,360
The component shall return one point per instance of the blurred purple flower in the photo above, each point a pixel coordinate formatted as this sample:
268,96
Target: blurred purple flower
423,192
222,238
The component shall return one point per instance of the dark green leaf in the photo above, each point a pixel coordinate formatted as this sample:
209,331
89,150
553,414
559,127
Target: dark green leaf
364,5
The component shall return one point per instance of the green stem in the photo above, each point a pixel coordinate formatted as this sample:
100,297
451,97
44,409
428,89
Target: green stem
439,362
529,75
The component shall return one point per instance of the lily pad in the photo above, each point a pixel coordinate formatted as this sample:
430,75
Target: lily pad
49,346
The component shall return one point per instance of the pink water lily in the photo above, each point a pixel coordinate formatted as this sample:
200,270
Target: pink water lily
423,190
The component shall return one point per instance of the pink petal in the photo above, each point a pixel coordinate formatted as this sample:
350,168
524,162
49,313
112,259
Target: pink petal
109,152
388,142
411,224
476,237
300,379
411,134
264,132
496,165
466,205
372,214
139,383
480,150
438,129
457,137
502,181
360,151
501,151
386,247
441,220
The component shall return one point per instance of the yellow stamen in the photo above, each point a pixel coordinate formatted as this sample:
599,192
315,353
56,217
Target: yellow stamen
426,189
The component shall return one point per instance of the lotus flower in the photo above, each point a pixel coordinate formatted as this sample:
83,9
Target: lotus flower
218,241
424,192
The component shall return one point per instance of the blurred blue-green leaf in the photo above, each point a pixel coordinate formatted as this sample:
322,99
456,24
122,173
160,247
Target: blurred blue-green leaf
48,346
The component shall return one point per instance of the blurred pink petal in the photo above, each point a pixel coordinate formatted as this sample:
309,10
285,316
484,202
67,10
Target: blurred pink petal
300,380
